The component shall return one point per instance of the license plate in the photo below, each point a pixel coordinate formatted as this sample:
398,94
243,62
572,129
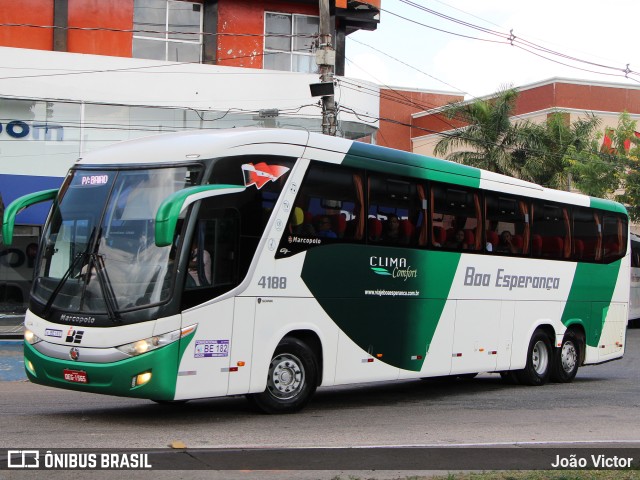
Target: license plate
75,376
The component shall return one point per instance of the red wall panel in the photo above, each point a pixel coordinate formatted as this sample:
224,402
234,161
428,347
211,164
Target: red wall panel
111,16
396,108
536,99
31,12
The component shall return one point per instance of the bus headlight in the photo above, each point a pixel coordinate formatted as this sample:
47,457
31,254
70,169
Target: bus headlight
30,337
147,344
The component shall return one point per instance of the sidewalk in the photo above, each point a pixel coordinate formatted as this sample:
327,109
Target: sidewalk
11,361
11,325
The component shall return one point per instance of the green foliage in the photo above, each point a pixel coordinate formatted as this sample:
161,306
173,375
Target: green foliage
489,133
594,174
631,195
557,153
546,145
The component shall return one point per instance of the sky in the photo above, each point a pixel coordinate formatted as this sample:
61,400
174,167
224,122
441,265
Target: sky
402,53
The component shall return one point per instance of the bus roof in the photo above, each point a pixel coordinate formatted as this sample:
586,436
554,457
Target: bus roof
187,146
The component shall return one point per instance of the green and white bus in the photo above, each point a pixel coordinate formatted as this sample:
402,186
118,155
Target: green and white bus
271,262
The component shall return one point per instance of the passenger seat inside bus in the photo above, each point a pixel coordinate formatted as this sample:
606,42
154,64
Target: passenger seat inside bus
552,247
536,244
493,239
518,242
470,239
439,236
375,229
406,231
578,248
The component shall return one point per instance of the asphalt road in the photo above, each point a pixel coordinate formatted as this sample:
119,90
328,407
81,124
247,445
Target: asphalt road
600,408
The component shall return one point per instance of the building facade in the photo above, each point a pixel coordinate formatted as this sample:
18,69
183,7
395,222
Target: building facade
535,102
76,75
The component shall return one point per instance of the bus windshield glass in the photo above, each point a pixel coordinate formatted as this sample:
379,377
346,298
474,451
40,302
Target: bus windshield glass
98,253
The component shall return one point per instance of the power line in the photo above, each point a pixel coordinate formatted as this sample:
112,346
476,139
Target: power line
162,31
410,66
513,40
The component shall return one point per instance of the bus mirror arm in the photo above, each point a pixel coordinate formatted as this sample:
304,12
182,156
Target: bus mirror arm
17,206
171,207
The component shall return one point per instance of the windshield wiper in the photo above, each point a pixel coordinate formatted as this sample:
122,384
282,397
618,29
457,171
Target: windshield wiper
106,287
63,280
95,261
80,256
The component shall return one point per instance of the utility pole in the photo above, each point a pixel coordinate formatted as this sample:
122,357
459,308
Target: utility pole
326,60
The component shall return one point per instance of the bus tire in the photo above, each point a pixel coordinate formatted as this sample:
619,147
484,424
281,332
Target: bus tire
292,378
539,361
567,358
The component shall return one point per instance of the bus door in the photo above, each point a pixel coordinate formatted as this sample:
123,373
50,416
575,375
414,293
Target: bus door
211,271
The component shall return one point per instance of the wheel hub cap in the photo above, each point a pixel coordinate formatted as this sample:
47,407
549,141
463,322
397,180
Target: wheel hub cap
286,376
540,358
568,356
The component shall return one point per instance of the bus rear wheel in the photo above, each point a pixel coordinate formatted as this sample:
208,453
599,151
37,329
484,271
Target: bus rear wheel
539,360
567,359
292,378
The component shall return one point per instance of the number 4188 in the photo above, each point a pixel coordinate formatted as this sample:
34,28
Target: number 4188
274,283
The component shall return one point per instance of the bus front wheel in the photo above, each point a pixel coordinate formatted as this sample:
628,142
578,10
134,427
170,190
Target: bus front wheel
567,358
539,360
292,378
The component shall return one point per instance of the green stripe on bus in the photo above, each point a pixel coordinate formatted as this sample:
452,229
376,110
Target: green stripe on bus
610,205
590,297
387,160
393,315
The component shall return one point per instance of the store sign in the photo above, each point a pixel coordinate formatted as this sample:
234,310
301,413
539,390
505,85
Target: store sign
19,129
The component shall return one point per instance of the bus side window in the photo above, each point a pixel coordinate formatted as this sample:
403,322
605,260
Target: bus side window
455,218
507,224
551,234
614,235
587,234
329,208
395,213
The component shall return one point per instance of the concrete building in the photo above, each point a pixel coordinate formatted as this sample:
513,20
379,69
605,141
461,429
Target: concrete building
536,102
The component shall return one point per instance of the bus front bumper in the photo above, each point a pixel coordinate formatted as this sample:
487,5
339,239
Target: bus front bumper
152,375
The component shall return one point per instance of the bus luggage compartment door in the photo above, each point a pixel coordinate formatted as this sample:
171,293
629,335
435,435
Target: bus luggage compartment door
476,338
613,318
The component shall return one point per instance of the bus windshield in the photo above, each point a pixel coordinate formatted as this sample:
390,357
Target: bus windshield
98,253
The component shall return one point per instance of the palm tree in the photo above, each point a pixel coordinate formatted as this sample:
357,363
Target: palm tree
547,150
490,135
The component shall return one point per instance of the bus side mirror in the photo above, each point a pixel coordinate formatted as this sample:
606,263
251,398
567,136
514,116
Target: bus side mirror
17,206
170,209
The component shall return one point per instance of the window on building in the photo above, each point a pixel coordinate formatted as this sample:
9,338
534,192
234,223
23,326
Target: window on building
167,30
288,43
